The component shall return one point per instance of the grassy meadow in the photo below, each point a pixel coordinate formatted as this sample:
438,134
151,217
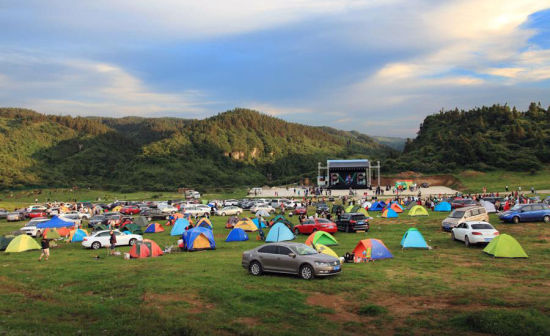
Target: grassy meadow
474,181
448,290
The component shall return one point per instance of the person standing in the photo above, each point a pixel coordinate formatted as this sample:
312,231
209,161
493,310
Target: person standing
45,244
112,241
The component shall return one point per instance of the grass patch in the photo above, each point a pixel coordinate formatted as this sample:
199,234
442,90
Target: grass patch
372,310
505,322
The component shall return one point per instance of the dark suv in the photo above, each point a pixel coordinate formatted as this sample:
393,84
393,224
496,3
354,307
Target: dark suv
322,207
351,222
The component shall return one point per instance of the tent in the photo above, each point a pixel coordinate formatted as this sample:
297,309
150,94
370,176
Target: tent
443,206
22,243
4,242
205,223
389,213
490,207
363,211
278,218
154,228
55,222
259,224
413,239
197,239
279,232
236,235
378,206
505,246
134,228
263,213
64,232
325,250
179,227
418,210
51,234
116,209
366,204
321,237
396,207
371,249
231,221
141,221
77,235
177,215
349,208
246,224
144,249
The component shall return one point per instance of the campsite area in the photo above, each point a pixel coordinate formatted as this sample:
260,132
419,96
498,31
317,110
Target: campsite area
449,289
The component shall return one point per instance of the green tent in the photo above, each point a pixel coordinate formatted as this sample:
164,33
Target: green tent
505,246
349,208
4,242
22,243
141,221
321,237
133,228
101,227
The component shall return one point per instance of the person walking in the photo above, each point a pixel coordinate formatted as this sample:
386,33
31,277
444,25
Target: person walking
45,244
112,241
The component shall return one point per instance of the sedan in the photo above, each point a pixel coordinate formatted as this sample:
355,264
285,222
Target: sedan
300,211
474,233
14,217
461,203
130,210
527,213
37,214
231,202
102,239
229,211
290,258
322,207
266,208
319,224
97,219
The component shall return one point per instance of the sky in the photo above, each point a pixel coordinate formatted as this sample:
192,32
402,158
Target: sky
378,67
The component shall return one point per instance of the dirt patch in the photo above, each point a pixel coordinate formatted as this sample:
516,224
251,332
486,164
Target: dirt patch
404,306
248,321
159,300
471,173
433,180
336,303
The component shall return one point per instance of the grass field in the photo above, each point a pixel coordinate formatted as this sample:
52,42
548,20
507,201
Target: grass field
473,182
445,291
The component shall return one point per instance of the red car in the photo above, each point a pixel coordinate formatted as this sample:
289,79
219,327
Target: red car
318,224
462,203
130,210
37,214
300,211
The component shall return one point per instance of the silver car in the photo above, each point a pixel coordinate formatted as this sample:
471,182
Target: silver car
291,258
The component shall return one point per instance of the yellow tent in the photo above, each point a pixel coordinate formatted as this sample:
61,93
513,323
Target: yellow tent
116,209
204,220
418,210
325,250
364,212
22,243
246,224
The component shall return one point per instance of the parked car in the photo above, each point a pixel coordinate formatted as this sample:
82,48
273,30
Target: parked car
31,229
32,207
3,213
130,210
246,205
474,233
71,218
527,213
102,238
15,216
198,209
461,215
318,224
300,211
36,213
290,258
166,208
351,222
229,211
81,215
97,219
267,208
322,207
462,203
231,202
493,199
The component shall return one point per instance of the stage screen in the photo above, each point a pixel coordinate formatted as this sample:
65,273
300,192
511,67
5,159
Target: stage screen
345,174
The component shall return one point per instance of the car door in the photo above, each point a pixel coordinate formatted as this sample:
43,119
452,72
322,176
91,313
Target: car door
459,231
307,226
121,238
537,212
268,257
526,213
286,263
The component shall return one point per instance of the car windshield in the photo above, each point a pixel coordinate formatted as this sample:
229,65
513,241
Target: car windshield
517,207
305,250
457,214
482,227
322,220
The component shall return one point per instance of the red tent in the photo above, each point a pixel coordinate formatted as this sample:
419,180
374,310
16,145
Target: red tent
144,249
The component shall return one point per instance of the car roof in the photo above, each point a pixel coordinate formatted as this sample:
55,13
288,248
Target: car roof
284,244
95,233
477,222
470,208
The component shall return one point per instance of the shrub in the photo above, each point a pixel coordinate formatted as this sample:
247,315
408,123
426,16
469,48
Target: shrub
372,310
505,322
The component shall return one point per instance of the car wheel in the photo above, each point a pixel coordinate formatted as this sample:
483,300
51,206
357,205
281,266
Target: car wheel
132,242
348,230
223,213
516,220
314,230
546,219
467,241
255,268
306,272
453,236
296,231
96,245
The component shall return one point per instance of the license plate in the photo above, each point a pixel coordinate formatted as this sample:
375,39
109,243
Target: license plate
360,223
336,268
488,239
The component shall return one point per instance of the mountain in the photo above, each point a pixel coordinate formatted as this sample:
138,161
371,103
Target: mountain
393,142
486,138
235,148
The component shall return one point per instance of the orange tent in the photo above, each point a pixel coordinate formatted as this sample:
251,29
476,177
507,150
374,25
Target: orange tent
64,232
395,207
177,215
144,249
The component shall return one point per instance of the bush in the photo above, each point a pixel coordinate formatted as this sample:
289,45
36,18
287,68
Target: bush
372,310
505,322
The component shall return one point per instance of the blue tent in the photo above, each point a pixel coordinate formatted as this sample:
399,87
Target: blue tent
279,232
179,227
237,234
259,225
378,206
78,236
197,239
443,206
389,213
371,249
55,222
413,239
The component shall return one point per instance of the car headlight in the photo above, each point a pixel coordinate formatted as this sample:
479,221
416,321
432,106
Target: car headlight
322,264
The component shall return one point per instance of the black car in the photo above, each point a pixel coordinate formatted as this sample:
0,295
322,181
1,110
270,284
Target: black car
351,222
493,199
322,207
97,219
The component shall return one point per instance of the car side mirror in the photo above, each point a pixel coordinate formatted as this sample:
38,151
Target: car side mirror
292,255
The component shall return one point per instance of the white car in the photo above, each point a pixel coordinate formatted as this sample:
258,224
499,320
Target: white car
31,229
14,216
102,238
81,215
167,209
198,210
267,208
36,207
474,232
71,218
230,202
229,211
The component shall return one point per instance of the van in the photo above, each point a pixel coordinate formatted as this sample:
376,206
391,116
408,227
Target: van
472,213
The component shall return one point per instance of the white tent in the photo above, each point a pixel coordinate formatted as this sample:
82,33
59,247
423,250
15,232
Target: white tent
490,207
262,213
366,204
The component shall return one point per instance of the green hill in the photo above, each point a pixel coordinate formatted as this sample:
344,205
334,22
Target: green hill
235,148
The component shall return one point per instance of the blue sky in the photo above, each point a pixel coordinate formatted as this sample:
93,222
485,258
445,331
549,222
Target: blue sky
378,67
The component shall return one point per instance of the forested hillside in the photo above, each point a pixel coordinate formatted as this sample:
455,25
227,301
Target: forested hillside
486,138
235,148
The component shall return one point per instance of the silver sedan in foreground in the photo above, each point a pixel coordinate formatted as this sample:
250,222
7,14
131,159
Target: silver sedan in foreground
291,258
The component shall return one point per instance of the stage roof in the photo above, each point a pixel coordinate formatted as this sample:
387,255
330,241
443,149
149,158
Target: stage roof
347,164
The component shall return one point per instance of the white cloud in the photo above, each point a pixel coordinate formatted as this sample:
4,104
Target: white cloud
276,111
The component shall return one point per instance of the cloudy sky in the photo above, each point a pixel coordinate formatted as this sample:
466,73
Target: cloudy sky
378,67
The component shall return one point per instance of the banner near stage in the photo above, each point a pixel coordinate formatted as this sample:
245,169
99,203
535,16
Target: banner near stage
347,179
